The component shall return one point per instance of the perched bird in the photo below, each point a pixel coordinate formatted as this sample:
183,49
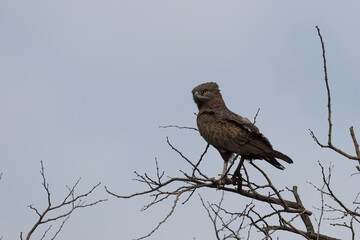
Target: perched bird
230,133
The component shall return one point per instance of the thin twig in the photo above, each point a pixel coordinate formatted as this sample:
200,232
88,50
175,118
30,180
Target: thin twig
180,127
327,86
330,124
75,202
201,158
182,155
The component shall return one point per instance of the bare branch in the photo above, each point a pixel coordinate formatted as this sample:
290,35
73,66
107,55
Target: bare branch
271,209
177,186
356,145
341,215
46,231
61,226
164,220
201,158
66,207
213,220
304,217
180,127
330,144
327,86
326,181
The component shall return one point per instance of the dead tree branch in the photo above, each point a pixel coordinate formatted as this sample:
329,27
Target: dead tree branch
62,210
330,124
179,127
334,209
270,209
229,227
284,214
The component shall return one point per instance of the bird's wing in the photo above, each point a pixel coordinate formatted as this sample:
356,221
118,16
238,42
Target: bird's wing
256,142
228,131
216,130
240,121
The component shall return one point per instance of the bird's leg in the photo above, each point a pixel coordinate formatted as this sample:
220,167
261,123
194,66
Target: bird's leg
237,175
223,174
237,171
226,156
224,179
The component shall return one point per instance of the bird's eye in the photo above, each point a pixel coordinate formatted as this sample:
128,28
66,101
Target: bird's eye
205,91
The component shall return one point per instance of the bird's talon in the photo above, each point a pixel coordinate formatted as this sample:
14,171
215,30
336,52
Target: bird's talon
225,181
213,180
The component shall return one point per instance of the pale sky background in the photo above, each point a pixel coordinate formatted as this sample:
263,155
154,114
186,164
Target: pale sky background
84,86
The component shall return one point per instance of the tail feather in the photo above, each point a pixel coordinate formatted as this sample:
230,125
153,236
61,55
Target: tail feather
282,156
270,159
276,154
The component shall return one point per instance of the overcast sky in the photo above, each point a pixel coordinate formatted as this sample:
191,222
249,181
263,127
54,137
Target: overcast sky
85,85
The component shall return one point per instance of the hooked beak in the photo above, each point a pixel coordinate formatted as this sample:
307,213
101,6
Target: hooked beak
196,95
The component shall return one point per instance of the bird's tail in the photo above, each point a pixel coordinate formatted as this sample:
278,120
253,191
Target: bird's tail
270,159
282,156
275,154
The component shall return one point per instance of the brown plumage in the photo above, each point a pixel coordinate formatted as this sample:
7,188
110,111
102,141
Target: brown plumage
230,133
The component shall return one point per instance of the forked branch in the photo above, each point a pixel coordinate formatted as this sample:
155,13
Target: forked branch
330,124
60,211
283,210
336,210
270,209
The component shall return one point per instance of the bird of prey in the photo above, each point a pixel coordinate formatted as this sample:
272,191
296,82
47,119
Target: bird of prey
230,133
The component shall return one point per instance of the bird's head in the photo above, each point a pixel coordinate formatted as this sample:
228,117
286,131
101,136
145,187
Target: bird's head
207,95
